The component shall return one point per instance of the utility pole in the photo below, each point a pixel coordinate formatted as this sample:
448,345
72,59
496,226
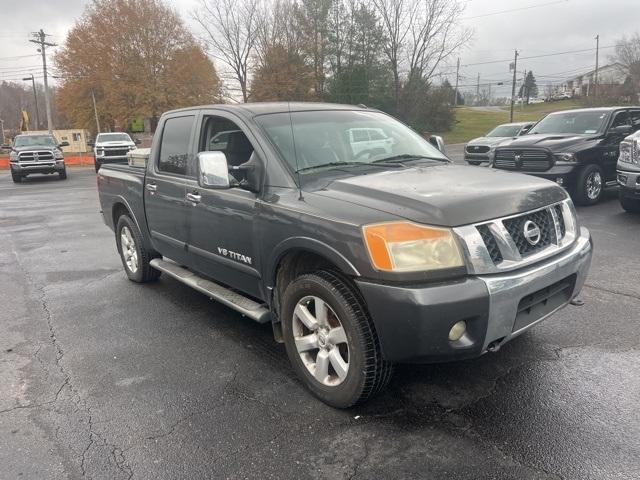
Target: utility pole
1,132
95,110
513,85
35,98
478,86
455,93
525,90
39,38
595,83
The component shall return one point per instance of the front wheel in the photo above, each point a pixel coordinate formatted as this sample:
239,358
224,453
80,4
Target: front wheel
63,174
589,185
331,341
475,164
135,257
16,177
631,205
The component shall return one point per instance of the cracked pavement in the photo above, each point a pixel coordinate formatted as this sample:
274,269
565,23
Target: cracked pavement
103,378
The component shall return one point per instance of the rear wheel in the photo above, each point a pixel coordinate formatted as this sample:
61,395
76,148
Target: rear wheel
331,341
589,185
631,205
135,257
16,177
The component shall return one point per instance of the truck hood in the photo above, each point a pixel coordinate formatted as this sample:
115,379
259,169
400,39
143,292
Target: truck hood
446,195
115,144
34,147
490,141
555,143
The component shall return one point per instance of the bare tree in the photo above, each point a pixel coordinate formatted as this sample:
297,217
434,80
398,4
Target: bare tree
419,36
231,31
628,55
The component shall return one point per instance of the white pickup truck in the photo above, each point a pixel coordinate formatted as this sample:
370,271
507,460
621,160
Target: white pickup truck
112,148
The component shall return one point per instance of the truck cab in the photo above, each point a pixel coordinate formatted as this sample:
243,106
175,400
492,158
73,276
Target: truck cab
358,259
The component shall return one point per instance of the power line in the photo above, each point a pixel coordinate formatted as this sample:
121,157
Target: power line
553,54
529,7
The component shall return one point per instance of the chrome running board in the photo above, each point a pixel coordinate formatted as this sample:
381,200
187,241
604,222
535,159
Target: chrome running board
246,306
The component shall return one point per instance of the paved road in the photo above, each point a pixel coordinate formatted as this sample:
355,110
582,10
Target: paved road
107,379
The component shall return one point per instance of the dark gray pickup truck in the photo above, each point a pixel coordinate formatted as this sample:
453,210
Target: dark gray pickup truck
359,256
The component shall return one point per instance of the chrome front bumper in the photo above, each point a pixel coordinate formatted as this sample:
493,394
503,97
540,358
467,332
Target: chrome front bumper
506,290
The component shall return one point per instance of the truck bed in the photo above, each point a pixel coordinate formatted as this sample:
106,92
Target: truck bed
122,184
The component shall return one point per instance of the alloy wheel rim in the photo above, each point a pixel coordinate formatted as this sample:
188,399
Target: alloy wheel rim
129,250
594,185
321,341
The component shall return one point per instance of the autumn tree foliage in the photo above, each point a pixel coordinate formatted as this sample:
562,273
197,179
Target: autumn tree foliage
283,76
138,59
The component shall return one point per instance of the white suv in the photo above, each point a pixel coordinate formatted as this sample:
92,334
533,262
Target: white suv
369,140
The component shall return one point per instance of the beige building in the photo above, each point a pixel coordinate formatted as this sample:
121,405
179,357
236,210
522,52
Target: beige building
77,139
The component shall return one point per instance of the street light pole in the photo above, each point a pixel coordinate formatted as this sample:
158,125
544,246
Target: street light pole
35,98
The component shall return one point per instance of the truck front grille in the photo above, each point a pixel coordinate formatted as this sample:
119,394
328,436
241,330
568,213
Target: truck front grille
35,156
552,231
544,222
521,159
116,152
477,148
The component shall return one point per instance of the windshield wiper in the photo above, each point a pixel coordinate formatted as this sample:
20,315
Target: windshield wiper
350,164
407,156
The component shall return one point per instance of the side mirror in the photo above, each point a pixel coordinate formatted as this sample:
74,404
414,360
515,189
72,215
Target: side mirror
621,130
437,141
63,144
137,141
91,144
213,170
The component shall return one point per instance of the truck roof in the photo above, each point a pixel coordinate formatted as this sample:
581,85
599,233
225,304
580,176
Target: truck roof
259,108
595,109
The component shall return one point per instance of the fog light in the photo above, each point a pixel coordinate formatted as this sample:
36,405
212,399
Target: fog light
559,180
457,331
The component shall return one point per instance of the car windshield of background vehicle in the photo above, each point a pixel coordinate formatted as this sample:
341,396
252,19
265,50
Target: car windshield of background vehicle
578,123
113,137
34,140
505,131
341,138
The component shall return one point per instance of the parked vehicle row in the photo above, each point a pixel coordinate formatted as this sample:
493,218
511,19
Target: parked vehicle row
359,258
577,149
480,149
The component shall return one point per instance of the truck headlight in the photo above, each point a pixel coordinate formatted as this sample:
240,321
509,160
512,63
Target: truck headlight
630,151
58,155
408,247
13,157
566,157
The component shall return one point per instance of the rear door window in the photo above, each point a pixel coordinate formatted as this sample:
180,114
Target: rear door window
174,146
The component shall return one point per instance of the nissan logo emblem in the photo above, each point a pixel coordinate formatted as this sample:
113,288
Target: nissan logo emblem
531,232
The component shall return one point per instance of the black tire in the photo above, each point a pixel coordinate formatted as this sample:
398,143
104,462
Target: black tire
631,205
475,164
17,178
144,272
63,174
583,195
97,165
368,373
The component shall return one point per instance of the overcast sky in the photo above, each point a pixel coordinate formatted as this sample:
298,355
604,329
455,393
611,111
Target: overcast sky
550,26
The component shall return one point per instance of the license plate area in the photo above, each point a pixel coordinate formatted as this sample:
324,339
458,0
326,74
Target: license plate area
539,304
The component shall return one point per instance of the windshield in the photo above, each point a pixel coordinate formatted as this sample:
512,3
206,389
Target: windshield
338,138
34,141
113,137
579,123
505,131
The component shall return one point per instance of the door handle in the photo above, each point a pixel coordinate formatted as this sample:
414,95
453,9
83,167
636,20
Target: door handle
152,187
194,197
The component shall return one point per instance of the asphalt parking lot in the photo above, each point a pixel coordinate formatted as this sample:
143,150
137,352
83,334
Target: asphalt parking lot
105,378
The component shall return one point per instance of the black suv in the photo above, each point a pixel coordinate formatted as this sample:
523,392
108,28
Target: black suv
577,149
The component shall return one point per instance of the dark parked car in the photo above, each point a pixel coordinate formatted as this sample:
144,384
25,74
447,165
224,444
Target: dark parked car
577,149
481,149
36,153
357,259
629,173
